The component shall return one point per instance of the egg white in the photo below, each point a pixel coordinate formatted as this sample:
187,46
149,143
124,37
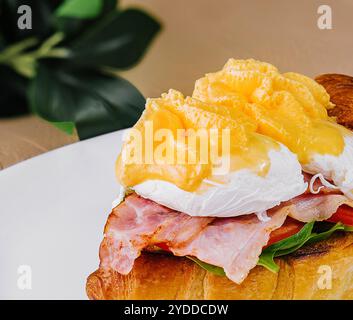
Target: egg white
246,192
339,169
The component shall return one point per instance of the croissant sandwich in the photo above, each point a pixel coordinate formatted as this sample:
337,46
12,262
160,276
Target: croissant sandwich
243,190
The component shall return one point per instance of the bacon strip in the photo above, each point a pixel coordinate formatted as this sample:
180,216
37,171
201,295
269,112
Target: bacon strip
309,207
231,243
138,223
234,244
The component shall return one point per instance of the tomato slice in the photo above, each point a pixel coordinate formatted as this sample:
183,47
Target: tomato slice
343,214
163,246
289,228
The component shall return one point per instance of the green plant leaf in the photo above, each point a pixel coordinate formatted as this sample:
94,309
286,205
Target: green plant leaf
118,41
73,26
80,8
96,103
66,126
17,48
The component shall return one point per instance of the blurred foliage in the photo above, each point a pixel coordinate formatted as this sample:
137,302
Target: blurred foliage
61,68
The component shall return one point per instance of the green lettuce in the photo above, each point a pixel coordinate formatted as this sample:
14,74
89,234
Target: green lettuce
295,242
306,235
209,267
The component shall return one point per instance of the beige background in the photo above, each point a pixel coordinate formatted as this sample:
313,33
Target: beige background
198,37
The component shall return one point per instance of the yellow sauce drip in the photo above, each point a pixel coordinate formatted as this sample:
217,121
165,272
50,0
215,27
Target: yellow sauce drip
173,112
290,108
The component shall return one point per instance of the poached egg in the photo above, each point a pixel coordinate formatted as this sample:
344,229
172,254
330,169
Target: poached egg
292,109
243,192
261,174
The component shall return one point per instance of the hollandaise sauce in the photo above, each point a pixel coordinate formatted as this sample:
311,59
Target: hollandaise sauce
183,141
291,108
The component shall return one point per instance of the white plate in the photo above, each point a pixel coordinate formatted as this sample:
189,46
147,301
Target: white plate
53,209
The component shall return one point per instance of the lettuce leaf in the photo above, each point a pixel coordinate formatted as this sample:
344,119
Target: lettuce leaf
209,267
295,242
284,247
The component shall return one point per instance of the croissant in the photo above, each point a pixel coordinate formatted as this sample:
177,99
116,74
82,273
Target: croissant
305,274
317,271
